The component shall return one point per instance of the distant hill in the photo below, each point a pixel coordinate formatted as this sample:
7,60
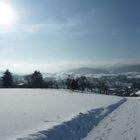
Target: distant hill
87,71
125,69
115,70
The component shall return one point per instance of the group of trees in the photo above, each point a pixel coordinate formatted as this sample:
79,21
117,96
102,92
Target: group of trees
82,83
78,83
34,80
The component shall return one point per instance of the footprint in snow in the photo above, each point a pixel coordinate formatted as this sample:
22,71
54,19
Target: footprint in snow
47,121
127,124
135,138
106,125
58,117
98,131
98,138
109,129
124,132
131,128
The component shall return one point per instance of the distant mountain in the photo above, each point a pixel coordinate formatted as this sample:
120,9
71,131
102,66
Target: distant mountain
126,69
115,70
87,71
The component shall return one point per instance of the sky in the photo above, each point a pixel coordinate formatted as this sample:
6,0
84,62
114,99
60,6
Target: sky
55,35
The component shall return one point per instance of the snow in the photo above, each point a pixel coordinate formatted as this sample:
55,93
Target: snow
29,111
138,93
77,127
122,124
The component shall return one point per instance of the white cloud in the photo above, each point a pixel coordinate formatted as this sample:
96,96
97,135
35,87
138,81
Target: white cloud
43,27
51,27
25,67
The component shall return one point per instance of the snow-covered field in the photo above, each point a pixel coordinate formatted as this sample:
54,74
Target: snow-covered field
44,113
122,124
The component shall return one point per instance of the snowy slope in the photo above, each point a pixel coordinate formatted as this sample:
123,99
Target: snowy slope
27,111
76,128
122,124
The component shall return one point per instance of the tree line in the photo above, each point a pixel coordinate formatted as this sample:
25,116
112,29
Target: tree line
36,80
81,83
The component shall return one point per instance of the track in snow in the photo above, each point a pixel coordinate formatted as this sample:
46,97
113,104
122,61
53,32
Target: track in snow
76,128
121,124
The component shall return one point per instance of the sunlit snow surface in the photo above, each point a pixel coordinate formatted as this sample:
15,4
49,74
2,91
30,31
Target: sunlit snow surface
121,124
27,111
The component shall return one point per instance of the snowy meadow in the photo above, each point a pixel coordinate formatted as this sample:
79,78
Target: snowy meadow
28,111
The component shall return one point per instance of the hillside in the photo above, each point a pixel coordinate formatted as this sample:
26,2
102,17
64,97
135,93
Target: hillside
87,71
126,69
36,114
27,111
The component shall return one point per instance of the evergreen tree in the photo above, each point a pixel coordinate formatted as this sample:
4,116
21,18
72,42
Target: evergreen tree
74,84
37,80
7,79
82,82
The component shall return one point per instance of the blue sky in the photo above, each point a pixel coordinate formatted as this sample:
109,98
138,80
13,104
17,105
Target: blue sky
53,35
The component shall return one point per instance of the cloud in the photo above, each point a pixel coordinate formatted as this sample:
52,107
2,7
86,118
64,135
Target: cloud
79,22
51,27
25,67
43,28
74,23
52,67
